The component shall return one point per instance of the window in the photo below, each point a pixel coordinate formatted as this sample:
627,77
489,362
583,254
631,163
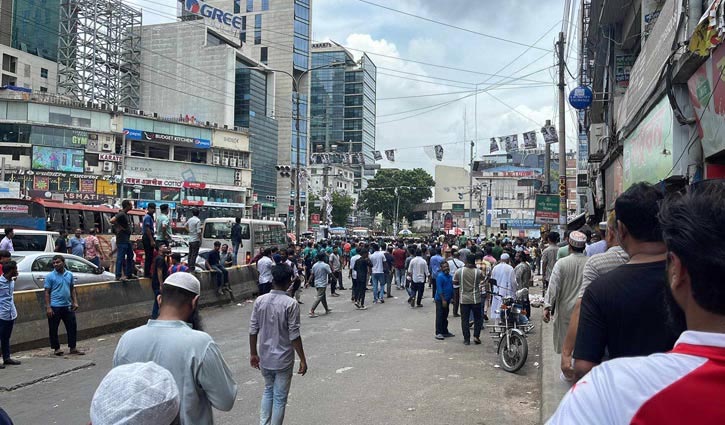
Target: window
257,29
43,264
243,32
158,151
43,73
78,266
43,89
7,80
237,7
263,52
213,40
265,4
9,63
250,5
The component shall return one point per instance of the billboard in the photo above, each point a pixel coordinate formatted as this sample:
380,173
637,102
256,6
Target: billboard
58,159
547,209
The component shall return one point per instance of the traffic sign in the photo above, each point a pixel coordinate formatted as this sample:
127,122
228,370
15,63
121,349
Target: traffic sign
547,209
581,97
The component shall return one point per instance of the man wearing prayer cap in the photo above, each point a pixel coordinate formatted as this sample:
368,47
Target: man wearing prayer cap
503,274
192,356
136,394
564,283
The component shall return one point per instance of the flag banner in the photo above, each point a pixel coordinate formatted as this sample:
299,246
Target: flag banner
430,152
512,143
550,135
494,145
439,152
361,158
377,155
530,140
390,155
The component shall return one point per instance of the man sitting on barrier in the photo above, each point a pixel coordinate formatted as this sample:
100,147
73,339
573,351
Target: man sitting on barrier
214,264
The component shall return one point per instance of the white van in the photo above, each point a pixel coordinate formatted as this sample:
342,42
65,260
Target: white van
256,234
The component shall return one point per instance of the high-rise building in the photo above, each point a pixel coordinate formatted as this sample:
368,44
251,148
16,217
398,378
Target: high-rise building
31,26
277,33
342,108
229,91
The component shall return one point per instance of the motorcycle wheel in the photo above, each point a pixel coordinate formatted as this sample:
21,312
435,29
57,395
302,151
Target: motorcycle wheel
514,356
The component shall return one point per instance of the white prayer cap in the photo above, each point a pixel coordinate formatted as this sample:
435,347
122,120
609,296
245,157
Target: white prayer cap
505,256
136,394
184,281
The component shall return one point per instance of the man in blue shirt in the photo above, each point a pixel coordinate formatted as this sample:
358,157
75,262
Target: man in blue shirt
148,239
77,245
61,303
8,313
435,267
443,297
236,238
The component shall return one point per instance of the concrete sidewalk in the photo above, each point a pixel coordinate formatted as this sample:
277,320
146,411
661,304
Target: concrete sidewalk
552,387
37,369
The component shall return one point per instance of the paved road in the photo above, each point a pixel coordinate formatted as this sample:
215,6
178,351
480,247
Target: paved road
379,366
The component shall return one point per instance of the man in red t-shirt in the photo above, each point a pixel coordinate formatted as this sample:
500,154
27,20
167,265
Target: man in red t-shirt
346,254
399,255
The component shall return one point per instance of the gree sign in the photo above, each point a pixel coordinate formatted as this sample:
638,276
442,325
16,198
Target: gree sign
547,209
199,7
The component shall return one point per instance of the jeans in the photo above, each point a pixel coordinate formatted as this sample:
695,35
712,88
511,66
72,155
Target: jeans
442,318
193,253
264,288
6,329
274,399
68,318
155,308
221,275
466,310
235,250
125,253
321,298
358,290
148,257
378,285
418,289
96,260
338,276
400,278
388,282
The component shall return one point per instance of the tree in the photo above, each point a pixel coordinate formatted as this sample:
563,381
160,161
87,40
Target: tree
413,187
341,208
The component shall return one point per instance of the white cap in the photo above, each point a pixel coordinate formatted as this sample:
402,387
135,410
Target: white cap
505,256
135,394
184,281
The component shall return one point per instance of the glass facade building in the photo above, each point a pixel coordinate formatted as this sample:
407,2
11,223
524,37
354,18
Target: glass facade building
342,113
250,105
35,26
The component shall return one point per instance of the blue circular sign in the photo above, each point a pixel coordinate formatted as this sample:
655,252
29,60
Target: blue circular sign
581,97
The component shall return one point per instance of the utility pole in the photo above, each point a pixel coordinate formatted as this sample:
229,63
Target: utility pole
547,163
562,134
470,193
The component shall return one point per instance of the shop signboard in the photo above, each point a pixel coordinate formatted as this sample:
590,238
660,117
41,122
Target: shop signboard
648,149
708,99
547,209
109,157
58,137
151,136
655,53
87,186
9,190
150,169
229,140
458,207
58,159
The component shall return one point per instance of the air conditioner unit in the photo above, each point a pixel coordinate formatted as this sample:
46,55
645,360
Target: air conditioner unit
216,160
232,162
216,125
208,123
109,166
89,169
225,162
598,135
226,127
238,176
107,147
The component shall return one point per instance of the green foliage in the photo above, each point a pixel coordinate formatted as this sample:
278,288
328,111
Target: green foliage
414,187
341,208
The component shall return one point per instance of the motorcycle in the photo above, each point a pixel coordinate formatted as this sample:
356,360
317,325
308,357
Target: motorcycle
513,348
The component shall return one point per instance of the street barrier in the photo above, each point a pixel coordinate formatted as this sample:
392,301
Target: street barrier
115,306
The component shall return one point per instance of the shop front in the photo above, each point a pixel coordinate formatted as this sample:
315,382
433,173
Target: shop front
707,95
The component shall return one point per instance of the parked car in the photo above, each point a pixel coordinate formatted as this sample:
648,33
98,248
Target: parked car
180,245
34,266
33,240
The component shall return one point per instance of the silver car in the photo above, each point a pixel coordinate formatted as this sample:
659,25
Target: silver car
34,266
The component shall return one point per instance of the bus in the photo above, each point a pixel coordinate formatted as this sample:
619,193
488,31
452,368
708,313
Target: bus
256,234
41,214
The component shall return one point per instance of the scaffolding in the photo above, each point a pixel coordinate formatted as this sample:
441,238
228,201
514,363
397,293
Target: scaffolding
99,52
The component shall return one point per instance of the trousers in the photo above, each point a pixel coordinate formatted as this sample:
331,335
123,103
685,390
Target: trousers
274,399
321,298
466,310
68,317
